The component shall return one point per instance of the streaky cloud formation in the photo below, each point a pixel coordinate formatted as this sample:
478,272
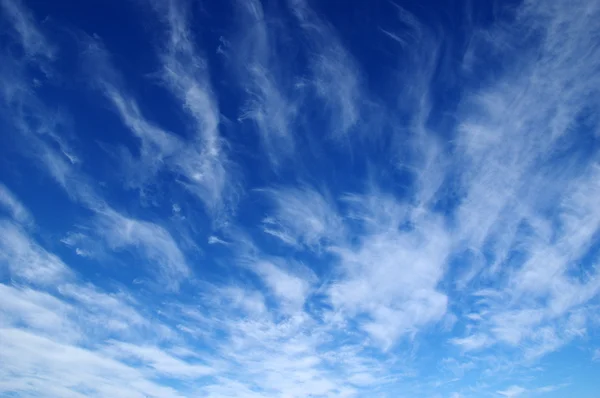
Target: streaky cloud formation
185,73
271,105
26,261
333,74
15,209
303,217
279,199
200,162
25,27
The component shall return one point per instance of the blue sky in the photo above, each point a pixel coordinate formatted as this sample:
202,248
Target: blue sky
299,198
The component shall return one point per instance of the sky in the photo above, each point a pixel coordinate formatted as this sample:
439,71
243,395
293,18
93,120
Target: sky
300,198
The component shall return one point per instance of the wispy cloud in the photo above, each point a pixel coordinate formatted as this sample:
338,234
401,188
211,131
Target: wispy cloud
516,391
159,361
59,326
513,391
334,75
386,257
33,40
154,242
303,216
39,312
455,271
40,133
206,163
27,261
272,103
473,342
14,207
34,123
540,304
200,162
550,388
25,352
290,290
269,355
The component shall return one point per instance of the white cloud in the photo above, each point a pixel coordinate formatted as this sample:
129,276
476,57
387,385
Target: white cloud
548,307
335,77
25,260
29,35
155,358
69,371
34,124
204,161
470,343
200,162
14,207
151,240
268,350
31,262
109,229
38,311
82,244
59,327
303,216
551,388
385,267
290,289
271,104
498,172
37,123
41,132
261,345
239,298
392,275
105,310
44,331
529,255
512,391
215,240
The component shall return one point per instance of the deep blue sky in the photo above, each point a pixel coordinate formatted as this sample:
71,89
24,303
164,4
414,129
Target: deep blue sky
299,198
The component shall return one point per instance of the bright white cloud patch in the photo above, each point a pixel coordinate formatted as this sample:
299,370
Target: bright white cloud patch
299,199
